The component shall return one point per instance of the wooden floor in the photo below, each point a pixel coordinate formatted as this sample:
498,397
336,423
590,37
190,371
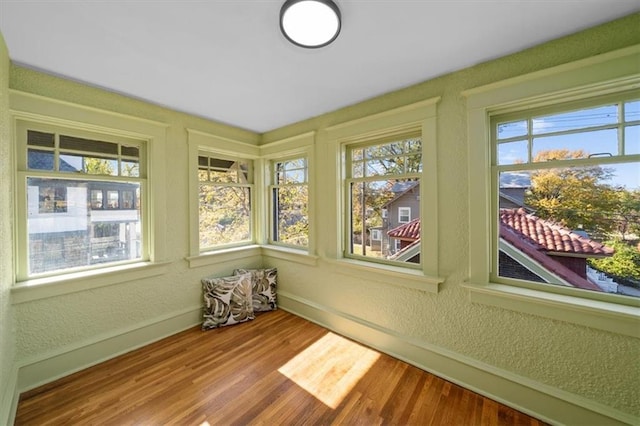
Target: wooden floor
276,370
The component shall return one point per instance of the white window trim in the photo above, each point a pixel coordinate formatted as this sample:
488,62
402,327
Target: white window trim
400,210
420,116
599,75
36,108
199,141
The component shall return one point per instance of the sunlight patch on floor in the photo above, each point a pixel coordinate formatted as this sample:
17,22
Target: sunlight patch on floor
330,368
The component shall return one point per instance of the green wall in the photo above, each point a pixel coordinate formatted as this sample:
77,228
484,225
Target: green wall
571,361
7,331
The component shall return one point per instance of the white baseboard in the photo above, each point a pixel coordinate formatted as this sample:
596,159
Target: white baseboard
9,401
541,401
62,362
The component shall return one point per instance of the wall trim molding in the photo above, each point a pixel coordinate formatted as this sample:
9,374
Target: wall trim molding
539,400
61,362
9,400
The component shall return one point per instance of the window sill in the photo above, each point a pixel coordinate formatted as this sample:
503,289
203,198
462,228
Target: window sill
398,276
223,255
605,316
42,288
290,254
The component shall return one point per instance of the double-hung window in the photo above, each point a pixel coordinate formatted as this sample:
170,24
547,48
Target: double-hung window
566,195
554,164
384,176
289,203
225,191
81,197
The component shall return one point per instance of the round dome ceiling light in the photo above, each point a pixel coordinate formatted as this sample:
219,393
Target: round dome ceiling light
310,23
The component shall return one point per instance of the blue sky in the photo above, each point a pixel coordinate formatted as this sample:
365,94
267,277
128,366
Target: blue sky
547,135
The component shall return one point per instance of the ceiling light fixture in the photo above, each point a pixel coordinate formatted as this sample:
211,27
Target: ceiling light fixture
310,23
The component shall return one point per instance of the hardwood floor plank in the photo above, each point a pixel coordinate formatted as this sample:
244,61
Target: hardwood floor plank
278,369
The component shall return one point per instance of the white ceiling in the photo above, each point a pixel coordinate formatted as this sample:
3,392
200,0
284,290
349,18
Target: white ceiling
227,60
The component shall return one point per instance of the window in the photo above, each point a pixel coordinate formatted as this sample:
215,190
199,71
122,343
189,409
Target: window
376,235
567,195
289,203
225,190
67,178
380,176
404,214
598,81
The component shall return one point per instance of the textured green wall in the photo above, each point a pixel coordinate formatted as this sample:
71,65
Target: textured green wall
596,365
7,332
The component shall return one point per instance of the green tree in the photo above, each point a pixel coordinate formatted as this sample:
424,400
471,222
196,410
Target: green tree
98,166
627,212
574,196
623,265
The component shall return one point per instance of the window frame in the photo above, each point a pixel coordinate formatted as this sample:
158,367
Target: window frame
496,169
349,180
419,117
609,73
242,146
248,185
272,219
45,111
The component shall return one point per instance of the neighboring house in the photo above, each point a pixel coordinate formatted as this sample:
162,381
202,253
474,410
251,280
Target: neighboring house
403,209
558,250
513,198
408,235
96,222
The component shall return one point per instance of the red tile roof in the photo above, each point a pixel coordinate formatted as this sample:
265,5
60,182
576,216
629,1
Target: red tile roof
551,237
535,252
407,231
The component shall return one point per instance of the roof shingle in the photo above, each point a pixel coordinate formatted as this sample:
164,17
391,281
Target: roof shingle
551,237
408,231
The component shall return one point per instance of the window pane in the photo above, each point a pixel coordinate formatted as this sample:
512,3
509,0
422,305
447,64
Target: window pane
228,171
582,119
88,165
575,226
130,151
40,160
632,140
512,129
577,145
64,232
386,150
385,166
40,139
130,168
632,111
225,215
413,145
295,176
357,170
513,152
88,145
96,199
290,212
113,200
375,206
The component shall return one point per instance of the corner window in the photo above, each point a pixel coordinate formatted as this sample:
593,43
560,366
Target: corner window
289,203
383,191
566,196
65,180
225,191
